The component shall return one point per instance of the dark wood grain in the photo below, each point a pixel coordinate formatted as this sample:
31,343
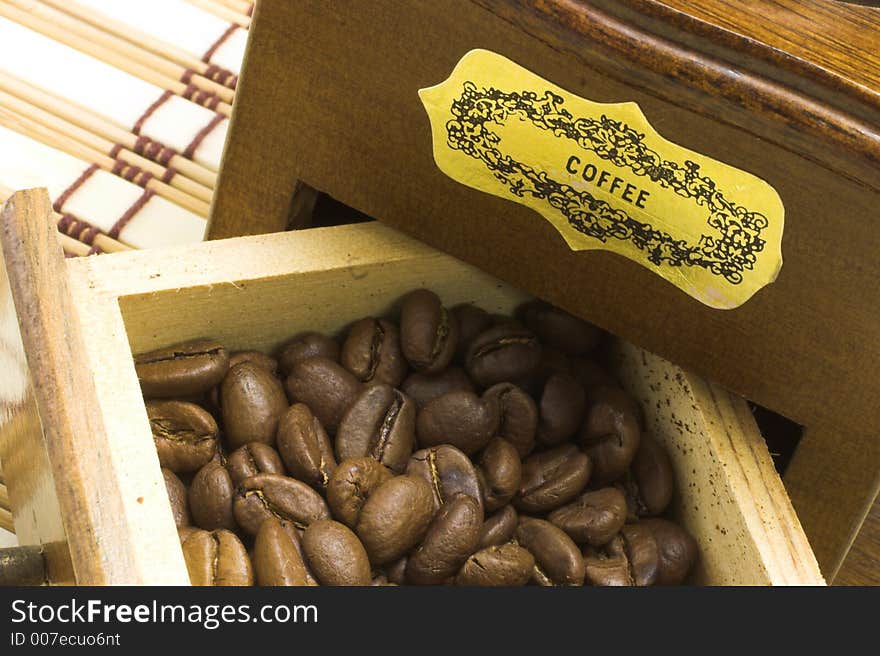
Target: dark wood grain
333,102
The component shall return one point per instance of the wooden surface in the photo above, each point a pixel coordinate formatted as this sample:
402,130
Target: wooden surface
94,499
862,564
255,292
729,493
337,108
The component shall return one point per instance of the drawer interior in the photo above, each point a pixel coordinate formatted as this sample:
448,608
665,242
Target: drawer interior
256,292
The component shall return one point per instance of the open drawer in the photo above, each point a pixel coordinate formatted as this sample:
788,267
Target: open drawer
75,443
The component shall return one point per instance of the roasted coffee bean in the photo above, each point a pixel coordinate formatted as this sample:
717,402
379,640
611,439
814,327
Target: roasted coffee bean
561,409
305,446
593,518
502,354
277,561
270,495
423,388
258,358
183,532
295,534
185,435
608,565
217,558
552,362
471,322
182,370
678,551
428,333
395,518
305,346
452,537
558,561
651,481
396,571
447,471
518,413
610,434
351,484
210,497
551,479
252,402
559,329
176,498
381,423
251,459
501,472
335,554
372,352
499,528
642,552
506,564
326,387
381,581
461,419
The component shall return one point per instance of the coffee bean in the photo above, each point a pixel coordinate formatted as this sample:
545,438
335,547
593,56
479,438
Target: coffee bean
518,421
217,558
502,354
428,333
423,388
185,435
507,564
183,370
270,495
395,518
558,561
593,518
372,352
471,322
252,401
608,565
447,471
561,409
351,484
176,498
305,446
552,362
461,419
396,571
559,329
452,537
642,552
326,387
295,534
380,424
305,346
258,358
499,528
251,459
651,481
183,532
335,554
551,479
610,434
210,497
500,470
677,550
277,561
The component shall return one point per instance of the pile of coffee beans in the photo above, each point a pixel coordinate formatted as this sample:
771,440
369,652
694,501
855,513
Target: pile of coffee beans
445,446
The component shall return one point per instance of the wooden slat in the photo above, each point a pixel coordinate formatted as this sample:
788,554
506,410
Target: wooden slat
75,437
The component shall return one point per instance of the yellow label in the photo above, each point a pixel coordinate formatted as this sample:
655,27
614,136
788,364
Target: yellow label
606,179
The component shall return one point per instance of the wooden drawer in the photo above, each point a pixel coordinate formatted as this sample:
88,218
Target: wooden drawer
787,90
76,446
